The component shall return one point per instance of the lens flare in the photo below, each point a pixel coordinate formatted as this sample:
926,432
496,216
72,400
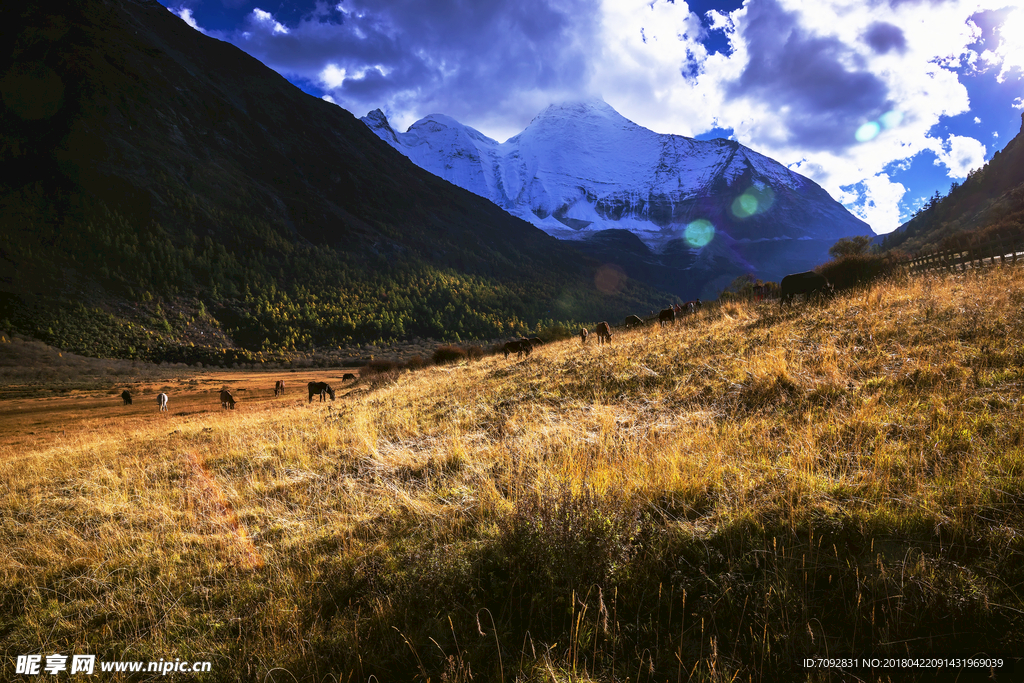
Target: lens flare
755,200
609,278
745,205
891,119
699,232
869,131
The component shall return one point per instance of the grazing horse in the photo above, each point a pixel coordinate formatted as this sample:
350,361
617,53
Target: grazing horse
321,389
603,332
279,388
347,376
634,321
126,396
226,399
803,283
583,335
161,400
667,315
519,347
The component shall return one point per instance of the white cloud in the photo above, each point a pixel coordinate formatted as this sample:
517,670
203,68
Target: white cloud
267,19
876,199
1009,54
797,81
960,155
332,76
802,77
186,15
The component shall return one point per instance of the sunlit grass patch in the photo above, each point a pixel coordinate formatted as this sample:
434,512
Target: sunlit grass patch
713,499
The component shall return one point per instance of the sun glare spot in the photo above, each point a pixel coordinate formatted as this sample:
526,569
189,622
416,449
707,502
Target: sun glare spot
609,278
868,132
745,205
754,200
891,119
699,233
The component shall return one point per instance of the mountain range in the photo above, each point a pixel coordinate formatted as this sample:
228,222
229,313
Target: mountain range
700,211
143,162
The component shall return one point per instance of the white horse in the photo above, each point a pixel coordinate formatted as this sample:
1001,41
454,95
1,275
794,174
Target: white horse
161,400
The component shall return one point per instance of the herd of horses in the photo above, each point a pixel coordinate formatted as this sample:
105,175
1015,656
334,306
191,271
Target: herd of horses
809,283
227,401
668,315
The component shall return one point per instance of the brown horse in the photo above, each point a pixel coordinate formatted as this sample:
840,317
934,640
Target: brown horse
583,335
226,399
279,388
667,315
126,396
519,347
320,389
603,332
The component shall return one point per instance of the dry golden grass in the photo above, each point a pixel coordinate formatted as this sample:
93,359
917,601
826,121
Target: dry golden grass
709,501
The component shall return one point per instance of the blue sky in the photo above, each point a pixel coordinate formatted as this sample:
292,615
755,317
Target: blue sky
882,102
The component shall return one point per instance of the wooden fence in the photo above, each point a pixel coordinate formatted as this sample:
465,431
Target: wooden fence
999,251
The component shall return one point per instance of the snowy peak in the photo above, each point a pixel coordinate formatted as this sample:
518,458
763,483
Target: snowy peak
581,167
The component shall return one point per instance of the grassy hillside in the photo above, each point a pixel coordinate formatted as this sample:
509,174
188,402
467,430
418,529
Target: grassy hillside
711,501
144,162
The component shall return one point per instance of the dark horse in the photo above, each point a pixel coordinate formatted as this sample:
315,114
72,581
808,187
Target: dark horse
279,387
126,396
518,347
321,389
604,333
803,283
667,315
226,399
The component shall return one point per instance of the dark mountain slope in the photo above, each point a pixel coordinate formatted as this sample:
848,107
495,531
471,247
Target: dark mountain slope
990,199
140,157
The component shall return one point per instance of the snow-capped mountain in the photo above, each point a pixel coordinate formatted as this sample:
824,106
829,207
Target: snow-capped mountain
581,168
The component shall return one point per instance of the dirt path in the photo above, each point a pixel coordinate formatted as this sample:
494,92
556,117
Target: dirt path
25,422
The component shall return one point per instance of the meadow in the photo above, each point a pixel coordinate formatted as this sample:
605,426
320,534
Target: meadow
716,500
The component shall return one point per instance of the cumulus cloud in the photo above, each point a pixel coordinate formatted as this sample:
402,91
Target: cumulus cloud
186,16
840,90
960,155
884,37
837,90
1009,53
492,65
267,21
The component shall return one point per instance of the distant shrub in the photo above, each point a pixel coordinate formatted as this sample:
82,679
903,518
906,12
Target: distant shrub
449,354
554,333
379,367
475,352
382,379
416,362
859,269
